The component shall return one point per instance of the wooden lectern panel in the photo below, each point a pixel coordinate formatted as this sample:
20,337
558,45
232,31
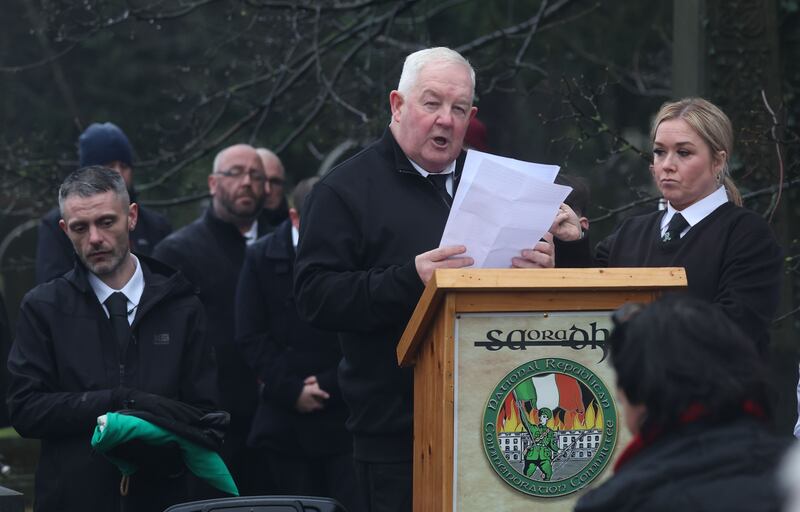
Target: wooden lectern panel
429,343
433,401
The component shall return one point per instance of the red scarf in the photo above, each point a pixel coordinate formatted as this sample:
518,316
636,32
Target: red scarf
693,413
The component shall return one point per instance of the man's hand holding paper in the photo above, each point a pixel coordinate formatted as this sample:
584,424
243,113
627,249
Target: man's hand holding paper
503,208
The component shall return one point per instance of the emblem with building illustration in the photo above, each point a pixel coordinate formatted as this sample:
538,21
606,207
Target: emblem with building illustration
549,427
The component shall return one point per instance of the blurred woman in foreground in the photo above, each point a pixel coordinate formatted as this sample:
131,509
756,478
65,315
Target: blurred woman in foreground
693,393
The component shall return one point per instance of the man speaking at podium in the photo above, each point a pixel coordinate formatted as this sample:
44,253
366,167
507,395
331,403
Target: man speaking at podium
368,247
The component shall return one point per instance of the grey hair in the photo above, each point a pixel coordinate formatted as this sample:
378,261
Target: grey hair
416,61
90,181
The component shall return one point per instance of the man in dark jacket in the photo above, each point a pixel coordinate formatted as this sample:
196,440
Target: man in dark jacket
101,144
210,252
367,248
116,330
300,416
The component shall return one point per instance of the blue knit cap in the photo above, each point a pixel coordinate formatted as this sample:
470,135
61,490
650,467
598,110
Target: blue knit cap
102,144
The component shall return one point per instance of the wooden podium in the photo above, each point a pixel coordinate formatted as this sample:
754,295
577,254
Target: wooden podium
471,328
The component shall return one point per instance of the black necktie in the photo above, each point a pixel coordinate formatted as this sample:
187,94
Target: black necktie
440,182
676,225
117,305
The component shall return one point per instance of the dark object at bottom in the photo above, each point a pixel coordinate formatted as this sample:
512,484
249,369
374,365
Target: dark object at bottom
261,504
12,501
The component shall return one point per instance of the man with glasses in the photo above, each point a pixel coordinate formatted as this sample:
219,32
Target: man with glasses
210,252
276,207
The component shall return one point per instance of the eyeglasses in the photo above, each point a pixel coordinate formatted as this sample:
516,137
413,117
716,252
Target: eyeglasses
239,173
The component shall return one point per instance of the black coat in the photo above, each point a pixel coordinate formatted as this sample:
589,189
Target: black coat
274,218
726,468
210,253
282,351
731,258
363,224
66,370
55,255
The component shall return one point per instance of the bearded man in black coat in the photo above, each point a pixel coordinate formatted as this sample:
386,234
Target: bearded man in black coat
210,252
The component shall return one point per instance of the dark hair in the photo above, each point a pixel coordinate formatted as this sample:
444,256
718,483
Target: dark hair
679,352
578,199
90,181
300,193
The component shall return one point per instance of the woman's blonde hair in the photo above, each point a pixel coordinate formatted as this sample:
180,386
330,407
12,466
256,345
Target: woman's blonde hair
712,125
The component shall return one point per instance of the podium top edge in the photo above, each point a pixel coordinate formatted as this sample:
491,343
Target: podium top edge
640,278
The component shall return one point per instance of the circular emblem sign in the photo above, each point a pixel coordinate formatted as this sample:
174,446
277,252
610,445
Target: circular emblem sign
549,427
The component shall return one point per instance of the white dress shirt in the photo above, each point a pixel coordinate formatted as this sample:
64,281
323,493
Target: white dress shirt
133,290
696,212
252,233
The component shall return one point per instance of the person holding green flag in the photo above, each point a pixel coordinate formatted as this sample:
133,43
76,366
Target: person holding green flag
543,447
119,331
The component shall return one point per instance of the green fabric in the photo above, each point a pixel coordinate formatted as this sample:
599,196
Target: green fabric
525,390
121,428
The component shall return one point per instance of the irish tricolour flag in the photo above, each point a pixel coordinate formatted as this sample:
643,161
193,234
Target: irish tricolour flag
551,391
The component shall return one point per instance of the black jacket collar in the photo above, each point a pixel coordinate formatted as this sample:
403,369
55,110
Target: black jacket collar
273,218
279,245
220,228
403,164
159,279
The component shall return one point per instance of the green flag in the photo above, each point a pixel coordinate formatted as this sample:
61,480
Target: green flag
121,428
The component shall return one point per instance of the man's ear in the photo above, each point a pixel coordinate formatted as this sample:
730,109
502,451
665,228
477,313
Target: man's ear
212,184
396,102
63,226
133,216
473,112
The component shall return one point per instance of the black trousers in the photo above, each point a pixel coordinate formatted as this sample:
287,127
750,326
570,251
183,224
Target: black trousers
331,476
385,487
243,462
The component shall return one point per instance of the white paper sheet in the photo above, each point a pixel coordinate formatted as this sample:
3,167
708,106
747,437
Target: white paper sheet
502,206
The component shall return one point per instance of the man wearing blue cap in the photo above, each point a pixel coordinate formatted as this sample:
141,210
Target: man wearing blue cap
107,145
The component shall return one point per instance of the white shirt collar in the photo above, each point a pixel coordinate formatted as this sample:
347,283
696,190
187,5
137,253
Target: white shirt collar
295,237
251,234
449,170
133,289
697,211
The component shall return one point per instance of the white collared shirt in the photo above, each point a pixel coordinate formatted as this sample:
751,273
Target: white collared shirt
133,290
295,237
449,170
696,212
252,234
